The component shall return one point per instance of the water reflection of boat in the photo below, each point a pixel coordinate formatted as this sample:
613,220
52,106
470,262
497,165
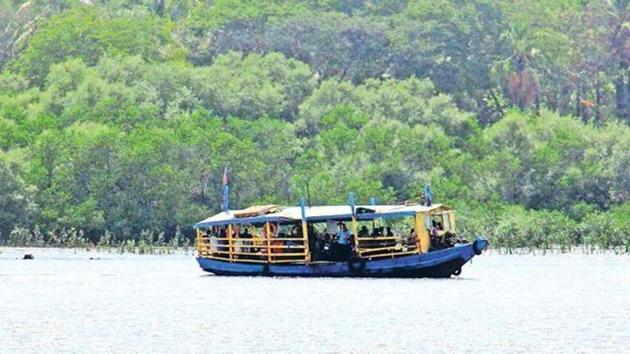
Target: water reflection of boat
404,241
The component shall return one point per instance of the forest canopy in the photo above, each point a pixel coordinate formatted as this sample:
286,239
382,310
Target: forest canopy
118,117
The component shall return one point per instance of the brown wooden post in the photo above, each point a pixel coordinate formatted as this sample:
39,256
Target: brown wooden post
306,249
357,245
416,226
424,242
230,243
268,232
307,252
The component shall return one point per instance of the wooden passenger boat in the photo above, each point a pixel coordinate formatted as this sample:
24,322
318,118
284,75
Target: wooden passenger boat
270,240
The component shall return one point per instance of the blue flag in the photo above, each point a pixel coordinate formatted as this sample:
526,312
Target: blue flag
226,190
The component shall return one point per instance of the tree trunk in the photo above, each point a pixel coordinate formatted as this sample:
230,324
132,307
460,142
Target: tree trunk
599,102
622,98
578,106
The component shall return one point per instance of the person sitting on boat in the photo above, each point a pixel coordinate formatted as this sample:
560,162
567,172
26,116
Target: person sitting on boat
246,236
213,239
222,239
341,250
268,231
323,246
296,231
273,231
389,232
434,229
343,236
412,239
293,234
449,239
436,235
364,232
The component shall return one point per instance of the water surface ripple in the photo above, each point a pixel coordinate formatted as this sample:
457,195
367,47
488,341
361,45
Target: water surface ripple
63,302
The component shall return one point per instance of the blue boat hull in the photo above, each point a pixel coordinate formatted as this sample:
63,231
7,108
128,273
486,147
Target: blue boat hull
434,264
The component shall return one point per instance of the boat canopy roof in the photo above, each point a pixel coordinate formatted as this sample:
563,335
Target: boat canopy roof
260,214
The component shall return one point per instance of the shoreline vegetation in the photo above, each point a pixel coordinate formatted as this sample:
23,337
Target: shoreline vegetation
153,250
118,118
117,249
146,243
537,236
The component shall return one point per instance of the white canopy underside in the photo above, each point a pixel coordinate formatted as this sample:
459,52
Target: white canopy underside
314,213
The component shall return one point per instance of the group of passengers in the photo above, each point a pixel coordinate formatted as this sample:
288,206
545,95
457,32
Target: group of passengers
376,231
327,245
441,238
339,246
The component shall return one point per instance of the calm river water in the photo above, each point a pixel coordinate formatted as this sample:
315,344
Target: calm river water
63,302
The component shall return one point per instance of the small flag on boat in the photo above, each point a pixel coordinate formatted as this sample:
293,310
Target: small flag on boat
225,177
226,190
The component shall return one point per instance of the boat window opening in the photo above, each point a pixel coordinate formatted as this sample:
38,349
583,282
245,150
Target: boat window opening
428,223
445,222
436,224
442,233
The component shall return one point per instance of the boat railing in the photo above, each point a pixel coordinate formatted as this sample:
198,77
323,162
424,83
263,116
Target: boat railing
254,250
293,250
386,246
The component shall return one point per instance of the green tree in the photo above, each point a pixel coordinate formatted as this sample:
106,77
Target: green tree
16,205
89,33
253,86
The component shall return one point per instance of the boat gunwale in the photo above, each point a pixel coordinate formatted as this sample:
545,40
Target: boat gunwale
439,263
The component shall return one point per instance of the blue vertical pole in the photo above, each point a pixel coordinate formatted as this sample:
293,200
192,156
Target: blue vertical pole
351,202
303,209
226,197
226,190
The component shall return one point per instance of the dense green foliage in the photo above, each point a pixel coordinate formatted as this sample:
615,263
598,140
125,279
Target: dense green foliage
117,117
